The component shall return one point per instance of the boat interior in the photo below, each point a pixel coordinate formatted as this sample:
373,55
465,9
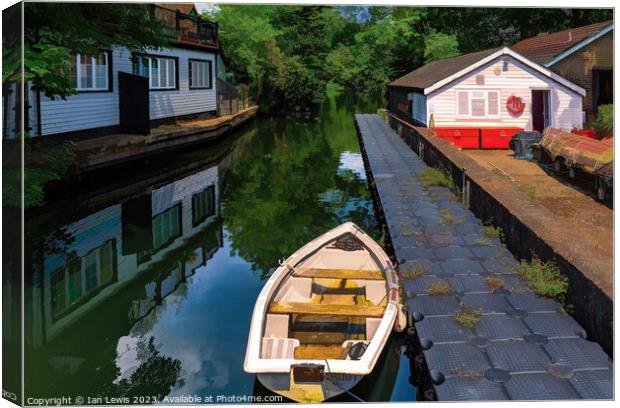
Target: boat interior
328,307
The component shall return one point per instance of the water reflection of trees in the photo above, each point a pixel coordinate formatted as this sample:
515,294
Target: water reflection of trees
154,376
285,188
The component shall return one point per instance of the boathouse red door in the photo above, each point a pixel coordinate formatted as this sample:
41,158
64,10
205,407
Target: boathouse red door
540,110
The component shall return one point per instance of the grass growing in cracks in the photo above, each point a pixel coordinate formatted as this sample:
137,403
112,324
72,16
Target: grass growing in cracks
544,278
494,282
493,232
431,176
439,288
412,272
468,317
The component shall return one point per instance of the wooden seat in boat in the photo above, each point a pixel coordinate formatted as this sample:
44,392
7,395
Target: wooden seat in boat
340,274
326,309
320,352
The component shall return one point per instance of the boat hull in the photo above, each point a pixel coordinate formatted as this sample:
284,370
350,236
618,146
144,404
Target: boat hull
332,386
341,283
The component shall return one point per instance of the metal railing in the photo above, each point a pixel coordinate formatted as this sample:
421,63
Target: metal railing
187,29
231,99
227,98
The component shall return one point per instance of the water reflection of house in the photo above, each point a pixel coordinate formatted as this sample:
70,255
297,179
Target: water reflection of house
161,233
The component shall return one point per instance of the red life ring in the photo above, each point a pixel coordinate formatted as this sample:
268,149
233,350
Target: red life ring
515,105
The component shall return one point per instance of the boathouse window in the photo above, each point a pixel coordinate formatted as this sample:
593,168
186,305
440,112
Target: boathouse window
166,227
199,74
82,276
203,205
90,73
161,71
478,104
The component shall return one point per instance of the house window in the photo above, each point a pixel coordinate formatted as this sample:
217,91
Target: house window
203,205
199,74
90,73
82,276
161,71
59,298
166,227
477,104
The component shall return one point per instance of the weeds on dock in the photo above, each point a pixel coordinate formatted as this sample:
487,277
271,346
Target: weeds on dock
544,278
439,288
494,282
463,373
431,176
411,233
447,218
483,242
493,232
468,317
412,272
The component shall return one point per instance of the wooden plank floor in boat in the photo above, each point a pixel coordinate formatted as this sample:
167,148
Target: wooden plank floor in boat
340,274
326,309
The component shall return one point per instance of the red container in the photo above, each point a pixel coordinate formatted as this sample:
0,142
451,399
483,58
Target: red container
589,133
465,138
497,138
478,138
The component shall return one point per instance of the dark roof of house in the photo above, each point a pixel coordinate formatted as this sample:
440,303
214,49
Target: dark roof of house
435,71
184,8
544,48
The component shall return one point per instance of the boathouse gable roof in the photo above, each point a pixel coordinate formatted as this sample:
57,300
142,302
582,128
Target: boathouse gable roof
429,74
437,74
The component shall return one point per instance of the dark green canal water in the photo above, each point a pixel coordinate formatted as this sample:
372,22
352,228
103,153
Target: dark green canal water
141,283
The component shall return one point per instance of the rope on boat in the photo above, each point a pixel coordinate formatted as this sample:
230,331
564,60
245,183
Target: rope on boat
283,263
341,389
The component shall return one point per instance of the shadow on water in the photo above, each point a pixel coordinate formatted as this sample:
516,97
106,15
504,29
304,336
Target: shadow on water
141,281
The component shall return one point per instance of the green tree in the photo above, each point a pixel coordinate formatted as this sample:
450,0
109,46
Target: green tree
439,46
249,43
604,123
340,65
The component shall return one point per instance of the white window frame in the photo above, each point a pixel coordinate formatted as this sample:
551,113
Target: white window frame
170,61
208,68
485,93
78,67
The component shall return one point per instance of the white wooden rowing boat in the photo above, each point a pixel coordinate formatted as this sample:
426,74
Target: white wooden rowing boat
324,316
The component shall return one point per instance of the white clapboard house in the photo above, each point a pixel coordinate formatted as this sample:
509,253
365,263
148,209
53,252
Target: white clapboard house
121,92
481,99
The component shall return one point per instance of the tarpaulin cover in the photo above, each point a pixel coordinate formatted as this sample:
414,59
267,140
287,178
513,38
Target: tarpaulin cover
522,142
590,155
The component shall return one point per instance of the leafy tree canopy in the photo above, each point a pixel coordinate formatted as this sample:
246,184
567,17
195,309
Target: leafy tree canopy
292,52
440,46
